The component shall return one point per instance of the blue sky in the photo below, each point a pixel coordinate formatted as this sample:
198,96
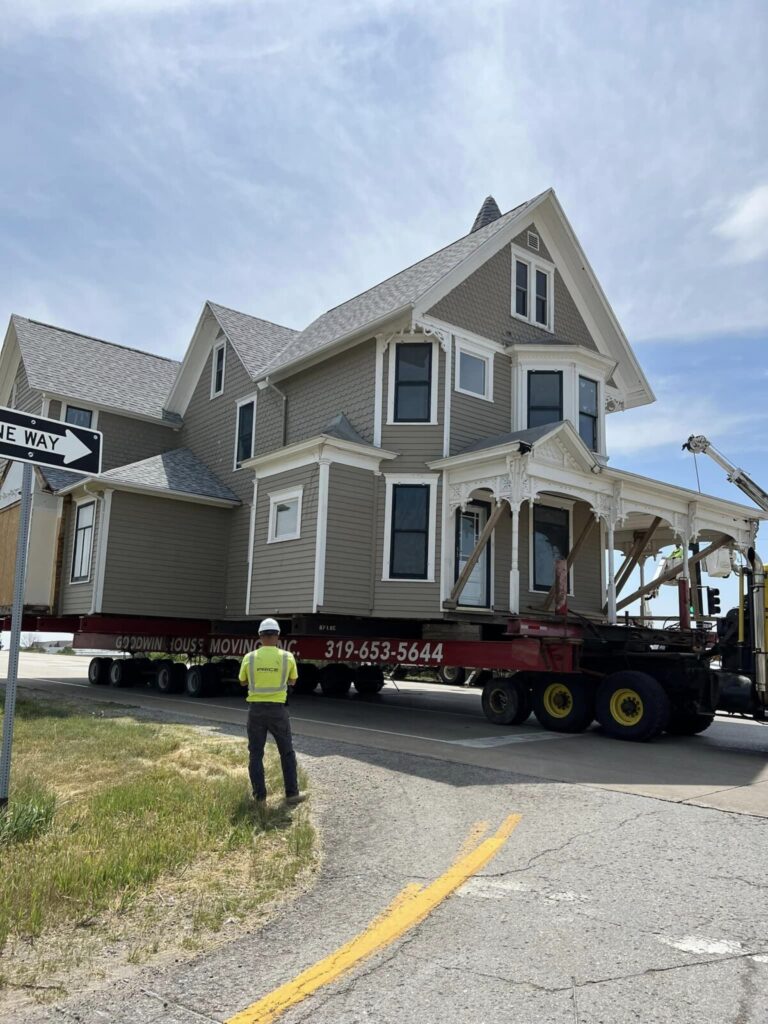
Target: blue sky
279,158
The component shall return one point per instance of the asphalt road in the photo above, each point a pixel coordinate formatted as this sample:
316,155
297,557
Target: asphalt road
633,889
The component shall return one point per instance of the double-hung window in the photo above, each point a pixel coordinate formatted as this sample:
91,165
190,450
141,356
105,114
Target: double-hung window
245,426
218,360
588,415
532,290
285,516
474,370
550,541
83,542
78,417
545,397
409,541
413,383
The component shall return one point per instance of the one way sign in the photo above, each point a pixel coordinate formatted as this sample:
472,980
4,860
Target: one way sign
46,442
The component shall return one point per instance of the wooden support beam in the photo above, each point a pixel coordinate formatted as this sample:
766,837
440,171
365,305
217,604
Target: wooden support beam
670,574
571,558
633,557
473,559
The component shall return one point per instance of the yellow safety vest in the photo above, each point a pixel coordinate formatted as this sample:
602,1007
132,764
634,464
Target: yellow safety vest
267,671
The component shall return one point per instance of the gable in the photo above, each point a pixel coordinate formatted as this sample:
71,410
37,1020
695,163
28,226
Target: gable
521,240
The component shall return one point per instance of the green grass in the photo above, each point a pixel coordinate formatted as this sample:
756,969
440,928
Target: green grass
108,812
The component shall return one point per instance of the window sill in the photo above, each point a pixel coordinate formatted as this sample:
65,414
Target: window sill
407,579
79,583
473,394
282,540
532,323
412,423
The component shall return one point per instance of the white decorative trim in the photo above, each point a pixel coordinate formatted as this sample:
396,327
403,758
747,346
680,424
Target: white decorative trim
293,494
89,499
447,399
478,352
101,553
433,382
306,453
236,467
322,533
378,390
218,347
429,480
251,540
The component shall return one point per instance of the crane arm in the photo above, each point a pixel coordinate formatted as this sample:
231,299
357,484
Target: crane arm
697,443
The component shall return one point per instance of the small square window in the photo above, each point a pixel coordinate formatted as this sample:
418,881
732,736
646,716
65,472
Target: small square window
474,370
78,417
285,516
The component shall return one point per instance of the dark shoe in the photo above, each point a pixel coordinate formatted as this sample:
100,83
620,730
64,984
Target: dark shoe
297,798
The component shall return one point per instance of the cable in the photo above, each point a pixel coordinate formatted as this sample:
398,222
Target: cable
696,467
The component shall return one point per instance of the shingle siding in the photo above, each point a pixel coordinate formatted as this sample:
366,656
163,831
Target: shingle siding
522,241
165,557
284,572
475,418
77,598
349,552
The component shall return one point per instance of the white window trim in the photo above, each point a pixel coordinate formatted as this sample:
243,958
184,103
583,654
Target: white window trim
87,408
391,480
551,502
90,500
533,263
433,385
237,466
274,500
215,350
14,395
478,352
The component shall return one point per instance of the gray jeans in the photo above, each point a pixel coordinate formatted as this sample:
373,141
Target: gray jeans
263,718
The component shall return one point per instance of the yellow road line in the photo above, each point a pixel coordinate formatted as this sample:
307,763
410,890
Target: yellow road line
408,908
476,833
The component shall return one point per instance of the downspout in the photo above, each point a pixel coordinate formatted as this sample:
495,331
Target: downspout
757,586
267,383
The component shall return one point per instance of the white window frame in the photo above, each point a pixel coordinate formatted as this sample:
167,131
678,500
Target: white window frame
392,480
276,499
533,263
218,347
433,385
477,352
236,466
551,502
81,503
86,408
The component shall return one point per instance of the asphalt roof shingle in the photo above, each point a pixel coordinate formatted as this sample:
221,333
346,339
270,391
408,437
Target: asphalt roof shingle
257,342
178,470
94,371
529,436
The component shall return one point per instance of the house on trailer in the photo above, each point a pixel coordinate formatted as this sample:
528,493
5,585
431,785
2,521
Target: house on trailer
420,455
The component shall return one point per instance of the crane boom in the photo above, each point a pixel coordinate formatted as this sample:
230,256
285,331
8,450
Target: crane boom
697,443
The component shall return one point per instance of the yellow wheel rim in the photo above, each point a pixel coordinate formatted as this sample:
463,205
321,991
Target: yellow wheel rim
558,700
626,707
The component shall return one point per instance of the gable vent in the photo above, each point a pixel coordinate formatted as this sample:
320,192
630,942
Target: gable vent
533,241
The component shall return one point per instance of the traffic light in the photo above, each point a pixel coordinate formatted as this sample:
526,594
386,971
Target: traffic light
713,601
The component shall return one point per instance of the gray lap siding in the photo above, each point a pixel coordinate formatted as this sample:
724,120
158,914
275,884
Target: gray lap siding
77,598
165,557
416,443
350,554
128,440
283,579
27,399
475,418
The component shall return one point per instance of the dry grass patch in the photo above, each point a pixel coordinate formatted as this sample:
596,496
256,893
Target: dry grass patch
130,840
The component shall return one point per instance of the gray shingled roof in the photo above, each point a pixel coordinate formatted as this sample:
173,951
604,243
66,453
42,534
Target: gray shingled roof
530,436
341,428
257,342
58,479
178,470
487,213
401,290
94,371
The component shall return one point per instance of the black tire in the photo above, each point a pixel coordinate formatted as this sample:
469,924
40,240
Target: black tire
507,700
309,676
335,680
171,677
197,682
452,675
122,673
688,723
564,703
632,706
369,680
98,671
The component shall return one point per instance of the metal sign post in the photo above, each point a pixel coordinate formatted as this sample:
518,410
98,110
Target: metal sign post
13,654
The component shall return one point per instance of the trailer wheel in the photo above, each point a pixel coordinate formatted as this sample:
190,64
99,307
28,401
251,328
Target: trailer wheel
308,677
122,672
632,706
564,703
507,700
98,671
369,680
335,680
688,723
171,677
197,682
452,675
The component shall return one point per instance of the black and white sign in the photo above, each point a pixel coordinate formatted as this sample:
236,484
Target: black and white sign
47,442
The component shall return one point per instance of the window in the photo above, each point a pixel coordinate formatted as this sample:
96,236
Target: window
413,383
217,369
285,516
521,288
551,534
474,370
81,552
78,417
588,416
545,397
408,558
244,430
542,284
532,297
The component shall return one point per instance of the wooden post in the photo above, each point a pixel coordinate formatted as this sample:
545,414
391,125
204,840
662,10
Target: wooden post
472,561
633,557
561,586
570,559
719,542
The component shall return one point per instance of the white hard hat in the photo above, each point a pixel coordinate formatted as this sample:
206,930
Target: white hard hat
269,626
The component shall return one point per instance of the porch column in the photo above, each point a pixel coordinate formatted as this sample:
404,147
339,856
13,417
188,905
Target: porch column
612,614
514,570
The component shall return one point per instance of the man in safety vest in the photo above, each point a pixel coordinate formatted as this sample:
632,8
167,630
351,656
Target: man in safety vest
268,672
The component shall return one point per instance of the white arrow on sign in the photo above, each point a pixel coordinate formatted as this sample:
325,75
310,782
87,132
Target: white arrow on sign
70,446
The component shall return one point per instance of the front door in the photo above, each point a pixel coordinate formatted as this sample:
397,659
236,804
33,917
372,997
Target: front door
469,526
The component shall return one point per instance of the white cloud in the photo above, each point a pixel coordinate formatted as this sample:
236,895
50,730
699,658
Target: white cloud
746,226
666,424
